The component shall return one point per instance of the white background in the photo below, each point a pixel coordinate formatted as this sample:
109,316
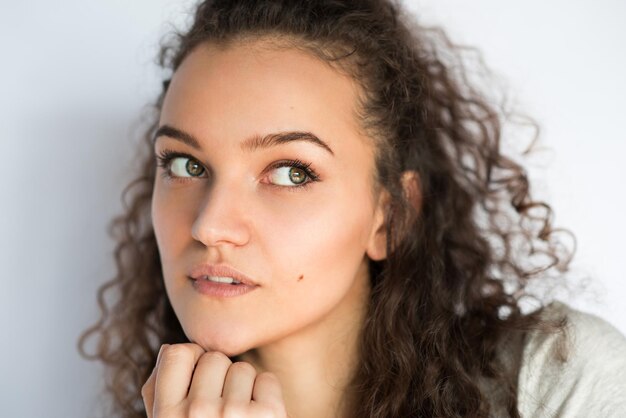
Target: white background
75,74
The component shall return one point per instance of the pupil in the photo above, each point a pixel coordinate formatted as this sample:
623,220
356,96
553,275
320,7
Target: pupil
296,175
192,167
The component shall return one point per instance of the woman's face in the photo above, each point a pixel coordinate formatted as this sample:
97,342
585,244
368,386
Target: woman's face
304,240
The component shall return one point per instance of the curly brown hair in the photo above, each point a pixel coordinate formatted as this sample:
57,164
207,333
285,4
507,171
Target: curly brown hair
459,258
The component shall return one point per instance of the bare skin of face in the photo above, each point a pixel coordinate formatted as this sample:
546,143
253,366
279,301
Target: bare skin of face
302,233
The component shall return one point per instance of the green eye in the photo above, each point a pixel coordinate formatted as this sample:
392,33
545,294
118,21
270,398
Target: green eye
286,174
292,175
289,176
179,167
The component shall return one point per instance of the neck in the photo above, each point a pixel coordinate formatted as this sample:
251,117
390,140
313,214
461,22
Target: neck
315,365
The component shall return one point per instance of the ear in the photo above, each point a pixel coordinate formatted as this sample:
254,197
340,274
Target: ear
412,190
377,244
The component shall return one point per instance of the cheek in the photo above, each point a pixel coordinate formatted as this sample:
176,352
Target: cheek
171,223
323,239
317,252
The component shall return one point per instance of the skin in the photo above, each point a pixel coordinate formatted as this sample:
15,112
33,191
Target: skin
307,248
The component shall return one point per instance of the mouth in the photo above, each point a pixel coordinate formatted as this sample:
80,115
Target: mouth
220,286
218,279
220,274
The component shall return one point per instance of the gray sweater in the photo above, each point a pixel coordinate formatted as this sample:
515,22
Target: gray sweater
591,383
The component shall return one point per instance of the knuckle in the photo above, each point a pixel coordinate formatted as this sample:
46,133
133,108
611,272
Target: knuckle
175,352
268,378
243,367
216,356
266,411
234,410
202,408
147,386
165,412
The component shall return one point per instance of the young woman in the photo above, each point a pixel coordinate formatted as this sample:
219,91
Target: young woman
326,226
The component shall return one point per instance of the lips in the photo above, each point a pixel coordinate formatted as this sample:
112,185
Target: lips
201,271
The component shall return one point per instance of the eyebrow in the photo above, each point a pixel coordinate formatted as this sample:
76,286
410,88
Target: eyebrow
251,144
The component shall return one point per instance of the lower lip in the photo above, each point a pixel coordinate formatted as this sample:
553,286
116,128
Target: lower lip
221,290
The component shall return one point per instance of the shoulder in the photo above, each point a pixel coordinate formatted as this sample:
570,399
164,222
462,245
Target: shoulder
589,380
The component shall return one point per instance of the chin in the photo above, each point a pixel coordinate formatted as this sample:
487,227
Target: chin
229,342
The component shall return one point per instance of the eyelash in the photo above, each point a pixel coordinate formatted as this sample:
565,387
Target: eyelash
166,156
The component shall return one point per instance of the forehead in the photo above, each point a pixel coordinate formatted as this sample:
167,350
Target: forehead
246,89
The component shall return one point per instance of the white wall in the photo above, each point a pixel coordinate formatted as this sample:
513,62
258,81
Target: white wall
564,63
75,74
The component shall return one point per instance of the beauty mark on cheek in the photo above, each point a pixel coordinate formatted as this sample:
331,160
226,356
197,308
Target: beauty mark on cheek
301,277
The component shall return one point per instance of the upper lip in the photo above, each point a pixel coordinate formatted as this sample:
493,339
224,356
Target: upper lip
221,271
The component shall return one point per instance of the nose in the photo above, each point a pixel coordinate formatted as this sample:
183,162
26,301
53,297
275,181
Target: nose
222,217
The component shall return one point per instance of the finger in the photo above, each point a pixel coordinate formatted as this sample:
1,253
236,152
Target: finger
209,375
147,393
174,374
147,390
239,383
267,390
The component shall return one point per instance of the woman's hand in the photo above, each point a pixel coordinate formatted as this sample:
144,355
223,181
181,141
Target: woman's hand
219,389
